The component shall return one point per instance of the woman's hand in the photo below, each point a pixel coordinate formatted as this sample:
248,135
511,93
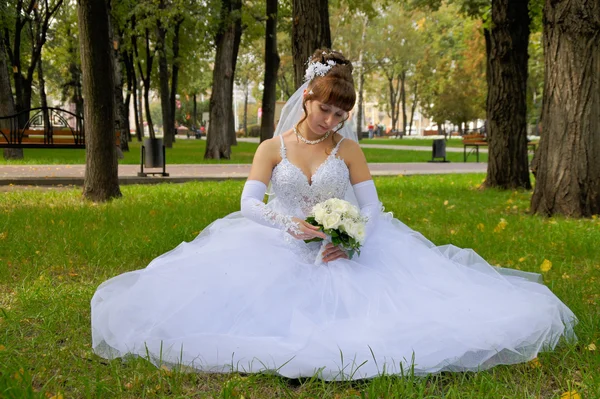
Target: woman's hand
306,230
333,252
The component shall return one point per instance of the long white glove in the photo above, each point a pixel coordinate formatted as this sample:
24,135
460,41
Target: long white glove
253,207
369,204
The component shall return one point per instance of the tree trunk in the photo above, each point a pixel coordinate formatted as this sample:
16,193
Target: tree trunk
246,90
121,114
218,144
175,71
101,169
267,123
163,77
508,165
195,117
137,107
7,105
43,97
567,163
413,107
310,31
361,81
403,101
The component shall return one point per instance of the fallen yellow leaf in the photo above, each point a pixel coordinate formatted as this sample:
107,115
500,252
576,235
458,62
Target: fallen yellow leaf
3,235
446,202
546,266
565,276
480,227
501,225
522,259
570,395
535,363
2,348
591,347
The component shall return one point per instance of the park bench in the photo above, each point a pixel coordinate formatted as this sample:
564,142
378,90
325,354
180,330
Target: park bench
65,130
474,141
479,140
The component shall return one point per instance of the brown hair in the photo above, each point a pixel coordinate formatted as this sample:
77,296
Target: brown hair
336,87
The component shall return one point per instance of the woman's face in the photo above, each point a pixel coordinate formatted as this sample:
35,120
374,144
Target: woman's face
323,117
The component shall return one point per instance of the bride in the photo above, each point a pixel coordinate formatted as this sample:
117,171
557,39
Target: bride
249,295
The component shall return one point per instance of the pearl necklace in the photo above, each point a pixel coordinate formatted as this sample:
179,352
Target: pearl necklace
317,141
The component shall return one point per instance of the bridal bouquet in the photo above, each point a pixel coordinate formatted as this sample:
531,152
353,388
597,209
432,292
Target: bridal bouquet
342,222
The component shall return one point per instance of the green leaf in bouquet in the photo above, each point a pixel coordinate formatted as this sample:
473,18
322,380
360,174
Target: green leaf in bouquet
350,253
315,239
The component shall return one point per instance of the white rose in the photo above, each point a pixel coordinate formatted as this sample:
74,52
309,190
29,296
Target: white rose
331,221
349,227
340,207
319,213
360,233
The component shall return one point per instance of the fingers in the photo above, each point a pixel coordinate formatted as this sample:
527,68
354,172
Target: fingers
332,253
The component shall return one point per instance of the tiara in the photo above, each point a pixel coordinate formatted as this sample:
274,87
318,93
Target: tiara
317,69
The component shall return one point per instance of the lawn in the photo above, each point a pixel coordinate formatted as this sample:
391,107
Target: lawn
192,152
55,249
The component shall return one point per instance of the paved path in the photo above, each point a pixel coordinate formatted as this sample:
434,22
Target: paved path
48,175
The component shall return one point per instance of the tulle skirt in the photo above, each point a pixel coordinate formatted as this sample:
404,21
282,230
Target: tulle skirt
248,298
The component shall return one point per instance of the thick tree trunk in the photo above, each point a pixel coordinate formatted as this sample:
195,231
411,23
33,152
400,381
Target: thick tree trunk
218,144
567,163
310,31
508,165
267,122
101,173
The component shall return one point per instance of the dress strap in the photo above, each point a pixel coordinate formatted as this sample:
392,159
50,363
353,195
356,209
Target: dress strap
282,148
337,147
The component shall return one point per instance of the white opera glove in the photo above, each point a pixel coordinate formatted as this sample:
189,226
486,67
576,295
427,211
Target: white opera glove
253,208
369,204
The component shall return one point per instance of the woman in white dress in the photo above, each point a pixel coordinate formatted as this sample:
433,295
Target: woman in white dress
249,295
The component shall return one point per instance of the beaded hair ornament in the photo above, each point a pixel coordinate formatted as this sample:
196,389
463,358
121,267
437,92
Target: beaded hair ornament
317,68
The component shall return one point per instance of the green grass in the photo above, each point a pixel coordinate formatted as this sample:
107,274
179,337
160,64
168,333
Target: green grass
55,249
192,152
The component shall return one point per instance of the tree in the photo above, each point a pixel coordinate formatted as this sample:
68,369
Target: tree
567,166
271,68
37,17
508,38
310,31
506,52
221,132
7,106
101,174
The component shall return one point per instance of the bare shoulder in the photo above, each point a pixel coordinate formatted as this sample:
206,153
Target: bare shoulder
350,149
268,149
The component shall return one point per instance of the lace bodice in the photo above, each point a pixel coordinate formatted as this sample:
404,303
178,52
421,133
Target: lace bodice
297,195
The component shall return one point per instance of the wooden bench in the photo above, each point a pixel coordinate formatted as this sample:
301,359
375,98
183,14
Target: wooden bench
65,130
39,138
479,140
474,141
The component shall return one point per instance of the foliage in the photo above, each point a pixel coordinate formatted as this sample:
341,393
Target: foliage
452,72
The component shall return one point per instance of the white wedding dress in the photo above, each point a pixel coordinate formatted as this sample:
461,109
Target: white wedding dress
250,298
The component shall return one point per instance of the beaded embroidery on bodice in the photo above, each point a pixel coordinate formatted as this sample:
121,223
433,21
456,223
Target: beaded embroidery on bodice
295,192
